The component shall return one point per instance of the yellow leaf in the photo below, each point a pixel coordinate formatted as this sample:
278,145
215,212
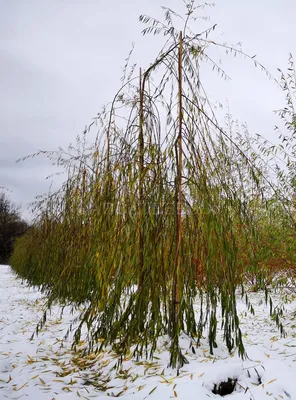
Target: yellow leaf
175,394
42,381
272,380
25,384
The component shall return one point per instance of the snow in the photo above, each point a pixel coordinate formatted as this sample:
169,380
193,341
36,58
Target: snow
46,367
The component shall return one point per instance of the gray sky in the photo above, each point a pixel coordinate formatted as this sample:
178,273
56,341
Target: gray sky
60,62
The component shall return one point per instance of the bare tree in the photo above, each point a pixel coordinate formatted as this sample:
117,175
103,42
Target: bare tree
11,226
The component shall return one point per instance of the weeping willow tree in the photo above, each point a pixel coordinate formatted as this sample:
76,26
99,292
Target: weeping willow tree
151,230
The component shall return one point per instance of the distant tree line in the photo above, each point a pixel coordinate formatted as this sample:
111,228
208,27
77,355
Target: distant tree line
11,227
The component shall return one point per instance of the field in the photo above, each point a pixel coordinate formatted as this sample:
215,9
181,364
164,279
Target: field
47,368
160,267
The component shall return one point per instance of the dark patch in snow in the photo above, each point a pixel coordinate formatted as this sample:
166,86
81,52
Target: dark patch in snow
225,388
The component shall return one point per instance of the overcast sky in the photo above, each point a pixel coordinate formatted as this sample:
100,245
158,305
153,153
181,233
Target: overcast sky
60,62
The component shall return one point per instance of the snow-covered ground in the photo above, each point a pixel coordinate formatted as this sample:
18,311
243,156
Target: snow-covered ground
46,368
